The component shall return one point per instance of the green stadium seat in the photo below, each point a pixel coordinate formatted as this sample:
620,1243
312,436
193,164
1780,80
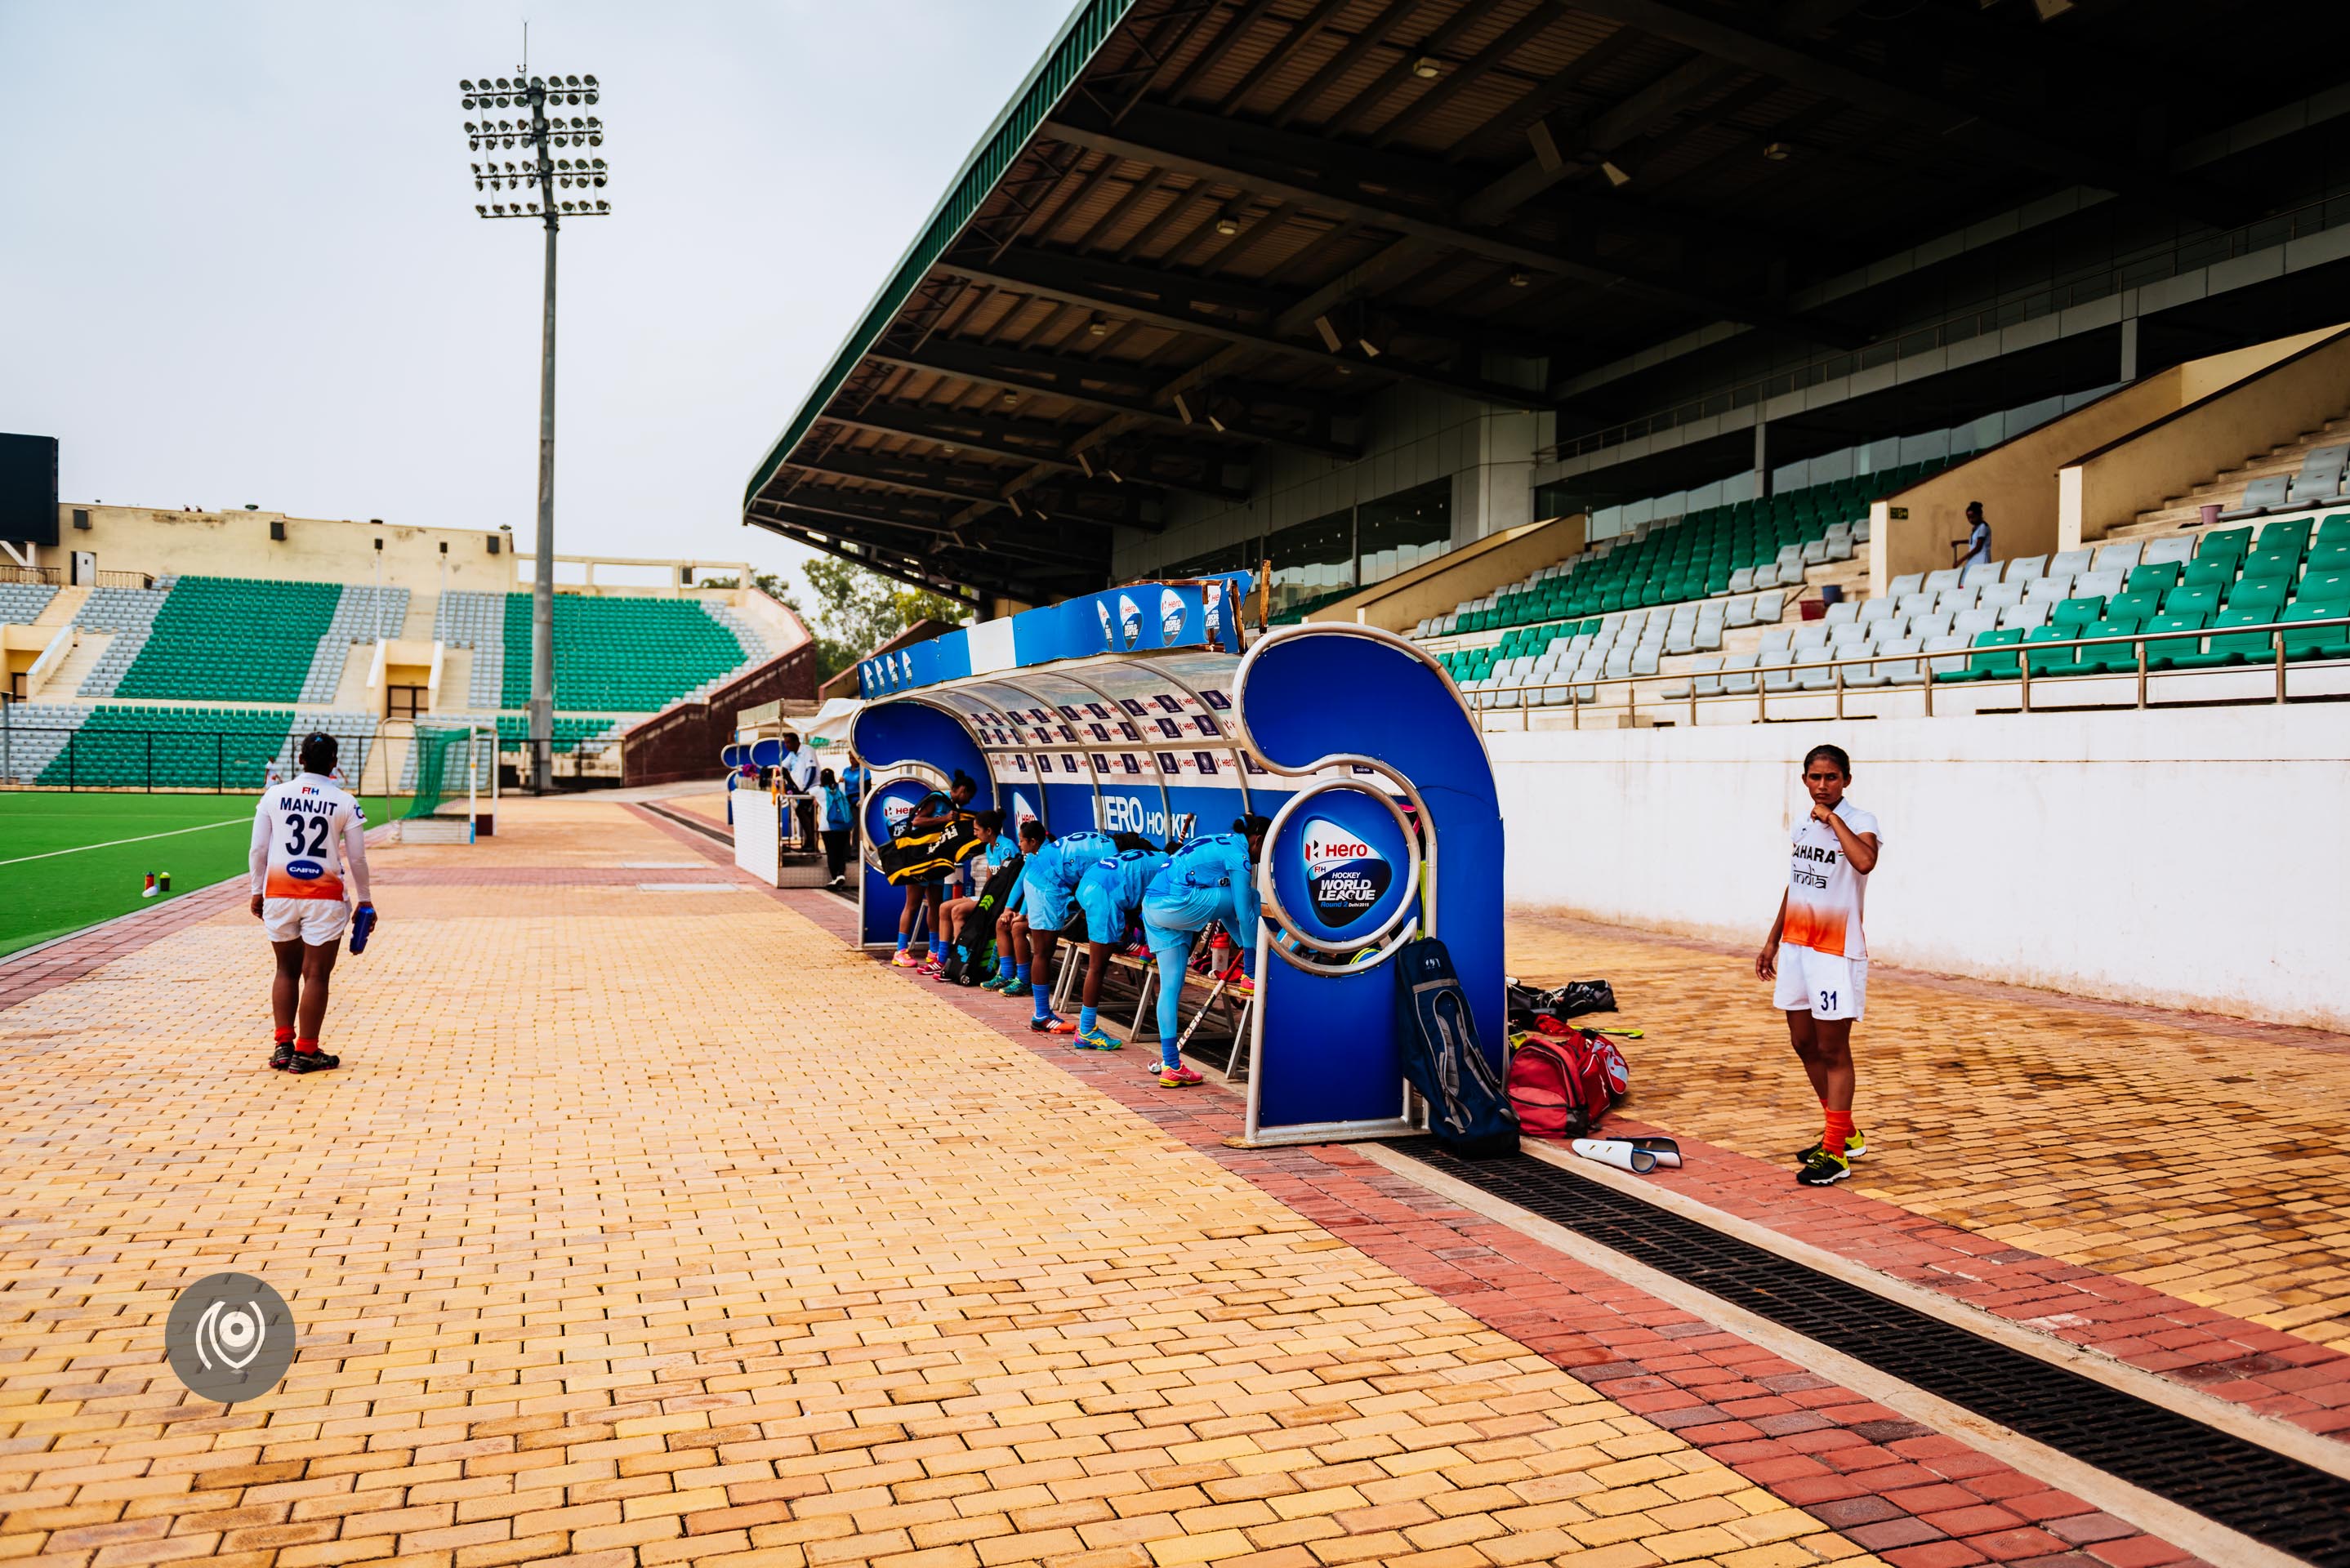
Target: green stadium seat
2214,572
2157,578
2230,543
2263,596
2162,652
2330,558
2318,641
2267,563
1991,657
2324,585
2238,649
2078,612
2053,661
2134,606
2334,530
2118,655
2279,535
2193,600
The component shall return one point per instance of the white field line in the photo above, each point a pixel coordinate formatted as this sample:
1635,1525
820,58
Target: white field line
141,838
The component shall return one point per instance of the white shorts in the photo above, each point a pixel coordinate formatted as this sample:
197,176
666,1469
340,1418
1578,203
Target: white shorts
316,922
1825,985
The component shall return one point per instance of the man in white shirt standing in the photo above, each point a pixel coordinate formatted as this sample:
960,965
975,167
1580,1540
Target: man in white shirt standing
799,767
1818,957
308,833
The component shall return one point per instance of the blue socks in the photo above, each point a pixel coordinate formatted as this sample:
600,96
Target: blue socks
1006,967
1020,974
903,938
1044,1004
1086,1020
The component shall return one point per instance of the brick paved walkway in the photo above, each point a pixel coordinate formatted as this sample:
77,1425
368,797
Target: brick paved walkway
2203,1158
647,1224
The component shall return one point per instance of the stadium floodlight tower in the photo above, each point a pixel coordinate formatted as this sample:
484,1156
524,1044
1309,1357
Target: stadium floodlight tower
546,140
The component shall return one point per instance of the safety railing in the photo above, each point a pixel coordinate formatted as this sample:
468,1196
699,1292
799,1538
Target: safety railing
1926,679
154,762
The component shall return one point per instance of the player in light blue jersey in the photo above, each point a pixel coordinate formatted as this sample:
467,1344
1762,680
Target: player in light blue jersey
1109,893
1048,887
1208,879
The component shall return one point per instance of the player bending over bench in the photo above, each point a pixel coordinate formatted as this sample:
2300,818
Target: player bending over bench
1109,893
1208,879
1048,887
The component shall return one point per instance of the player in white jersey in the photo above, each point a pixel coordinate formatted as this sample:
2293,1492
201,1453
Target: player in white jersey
1818,957
308,837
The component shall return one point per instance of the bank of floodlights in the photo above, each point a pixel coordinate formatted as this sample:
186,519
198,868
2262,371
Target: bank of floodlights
533,185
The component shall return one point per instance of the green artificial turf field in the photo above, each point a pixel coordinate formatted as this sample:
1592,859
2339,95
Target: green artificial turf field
68,859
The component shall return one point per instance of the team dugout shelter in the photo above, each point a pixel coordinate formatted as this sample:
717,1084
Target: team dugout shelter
1134,710
1348,285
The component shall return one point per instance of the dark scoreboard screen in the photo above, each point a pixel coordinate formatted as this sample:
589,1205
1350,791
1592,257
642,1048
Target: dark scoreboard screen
28,488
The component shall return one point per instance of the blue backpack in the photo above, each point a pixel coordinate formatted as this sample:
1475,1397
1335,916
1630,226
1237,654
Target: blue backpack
1468,1110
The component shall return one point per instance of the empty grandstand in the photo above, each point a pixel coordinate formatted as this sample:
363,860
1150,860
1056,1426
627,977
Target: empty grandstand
212,666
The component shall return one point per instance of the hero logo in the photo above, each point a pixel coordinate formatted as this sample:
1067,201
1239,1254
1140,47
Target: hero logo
1171,617
1129,620
1021,811
895,814
1345,877
1102,610
304,870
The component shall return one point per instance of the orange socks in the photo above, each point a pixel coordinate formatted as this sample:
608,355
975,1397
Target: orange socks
1839,1128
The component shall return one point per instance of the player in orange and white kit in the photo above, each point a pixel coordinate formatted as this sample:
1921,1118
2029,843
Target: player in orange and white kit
309,835
1817,956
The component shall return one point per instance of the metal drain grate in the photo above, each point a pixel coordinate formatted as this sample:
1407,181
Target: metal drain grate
2251,1490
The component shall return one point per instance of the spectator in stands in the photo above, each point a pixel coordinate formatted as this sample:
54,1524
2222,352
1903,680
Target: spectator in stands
837,816
307,835
1977,544
1048,887
1817,956
933,812
1211,879
1109,893
954,916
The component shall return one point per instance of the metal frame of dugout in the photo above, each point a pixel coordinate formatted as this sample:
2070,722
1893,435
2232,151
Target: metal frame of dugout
1327,728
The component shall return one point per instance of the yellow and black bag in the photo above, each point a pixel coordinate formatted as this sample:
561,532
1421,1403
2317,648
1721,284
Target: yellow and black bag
926,855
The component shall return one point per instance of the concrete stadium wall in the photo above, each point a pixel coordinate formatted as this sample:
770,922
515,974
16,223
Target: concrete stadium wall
2196,859
2215,431
2016,481
1433,588
238,545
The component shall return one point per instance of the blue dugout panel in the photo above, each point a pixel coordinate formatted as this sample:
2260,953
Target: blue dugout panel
1387,826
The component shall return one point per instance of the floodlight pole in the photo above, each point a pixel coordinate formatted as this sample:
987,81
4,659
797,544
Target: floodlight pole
542,596
542,177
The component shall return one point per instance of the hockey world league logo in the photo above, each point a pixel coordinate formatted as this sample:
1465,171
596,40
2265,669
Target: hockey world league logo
1212,601
1346,876
1171,617
1129,620
1021,812
1109,635
895,814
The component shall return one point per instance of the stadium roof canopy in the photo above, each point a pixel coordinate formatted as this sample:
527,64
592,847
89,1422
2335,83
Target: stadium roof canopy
1204,227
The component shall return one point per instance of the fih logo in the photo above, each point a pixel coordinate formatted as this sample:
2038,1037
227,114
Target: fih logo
229,1338
1129,620
1109,637
1171,617
1021,811
1344,876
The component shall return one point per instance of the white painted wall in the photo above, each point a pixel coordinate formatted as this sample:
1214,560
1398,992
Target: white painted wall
2182,858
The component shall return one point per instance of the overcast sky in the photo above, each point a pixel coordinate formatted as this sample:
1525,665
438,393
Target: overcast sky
240,259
